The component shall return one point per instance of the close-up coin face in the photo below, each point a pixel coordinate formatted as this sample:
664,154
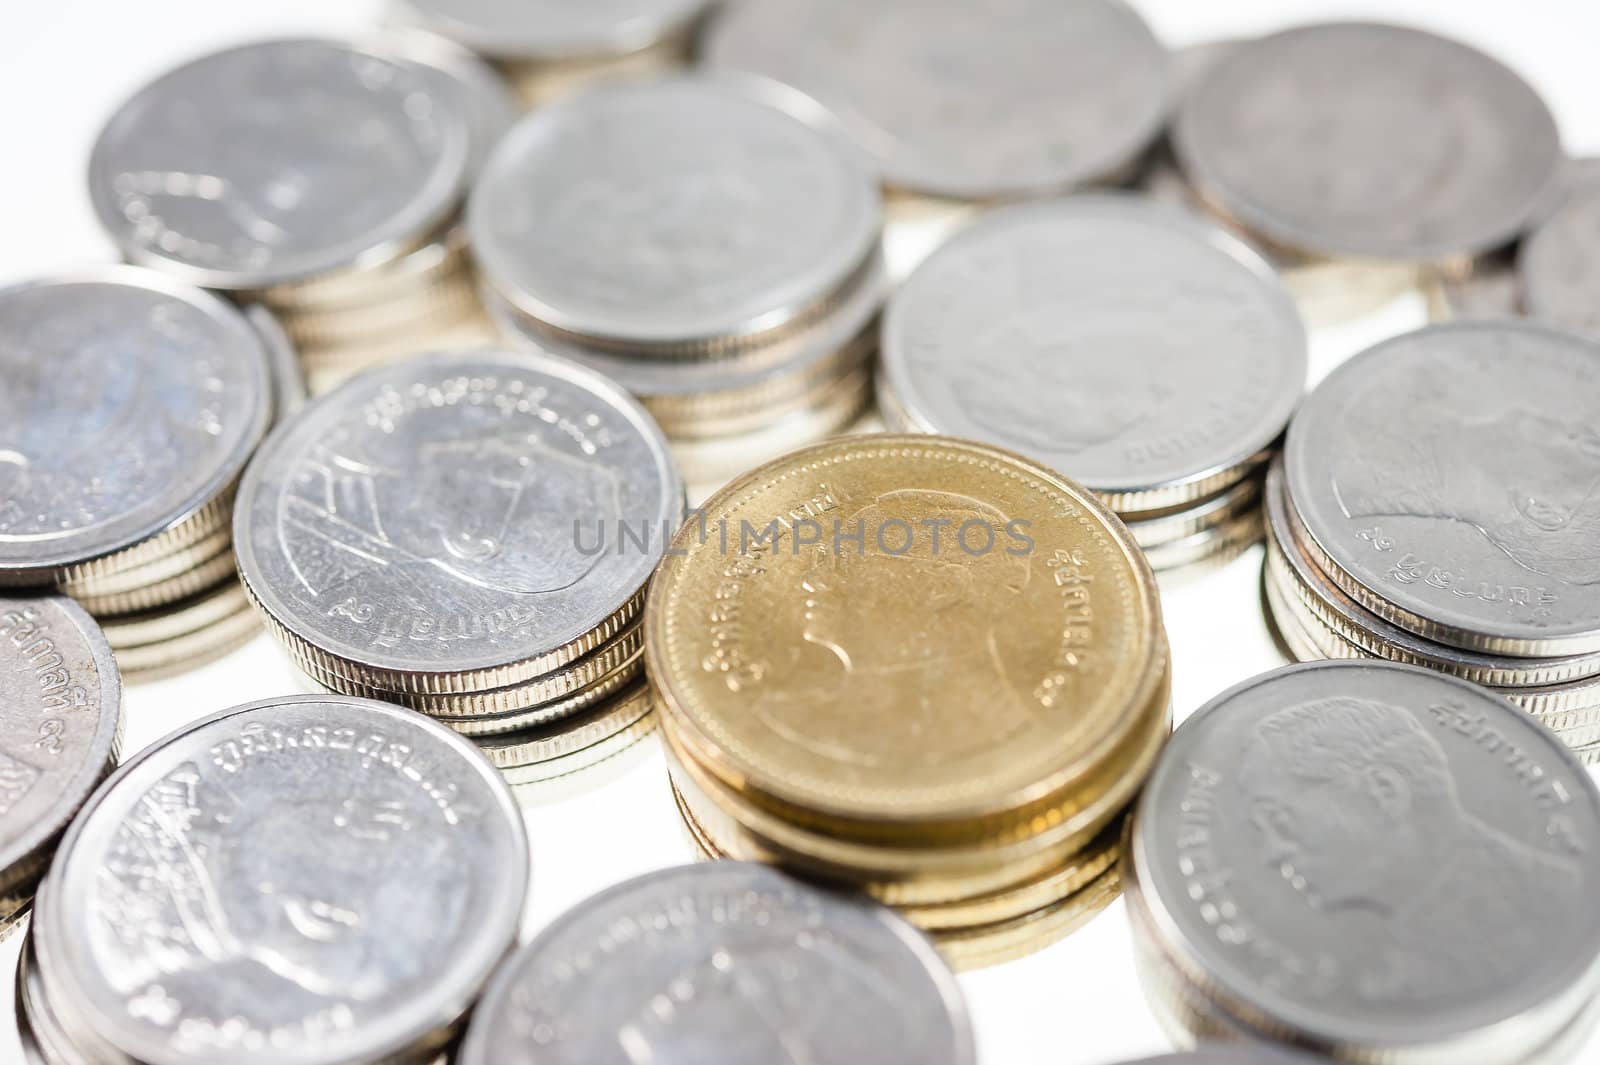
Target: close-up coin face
303,880
129,402
279,161
1370,140
1559,263
1452,478
358,531
58,732
682,211
984,638
962,100
553,29
1133,348
723,962
1375,856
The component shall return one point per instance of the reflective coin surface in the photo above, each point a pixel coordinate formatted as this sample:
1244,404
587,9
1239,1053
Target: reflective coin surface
1559,263
1139,351
278,161
457,513
681,211
553,29
718,964
1376,858
905,629
130,401
309,879
1370,140
1450,479
60,705
962,100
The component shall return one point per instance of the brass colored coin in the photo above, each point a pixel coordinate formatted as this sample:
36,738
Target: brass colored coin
913,690
985,945
539,746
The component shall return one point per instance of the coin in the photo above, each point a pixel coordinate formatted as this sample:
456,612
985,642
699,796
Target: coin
58,736
1141,352
131,404
723,962
1239,1055
874,716
239,170
1445,480
554,742
963,101
378,561
1559,264
288,380
1169,526
552,29
1369,141
249,888
680,215
1375,859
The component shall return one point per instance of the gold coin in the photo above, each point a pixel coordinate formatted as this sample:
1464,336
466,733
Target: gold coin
916,688
977,948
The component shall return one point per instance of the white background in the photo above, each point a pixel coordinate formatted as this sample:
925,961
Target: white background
65,64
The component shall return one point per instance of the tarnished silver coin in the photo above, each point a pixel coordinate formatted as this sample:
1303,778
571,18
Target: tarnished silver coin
456,522
1370,141
307,879
1375,859
553,29
1141,352
1559,263
60,716
685,213
1449,481
1024,97
717,964
130,404
279,161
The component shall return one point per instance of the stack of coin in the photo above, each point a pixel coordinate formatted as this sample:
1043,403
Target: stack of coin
468,536
60,723
705,242
310,879
1375,861
320,178
1359,153
1231,1055
724,963
1135,348
1437,506
551,48
131,405
917,666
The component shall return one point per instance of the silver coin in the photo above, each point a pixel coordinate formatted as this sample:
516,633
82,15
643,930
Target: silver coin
301,880
1232,1055
445,515
130,403
1559,263
552,29
1141,352
1379,860
62,701
481,93
717,964
1369,140
682,211
1449,481
974,101
278,161
288,378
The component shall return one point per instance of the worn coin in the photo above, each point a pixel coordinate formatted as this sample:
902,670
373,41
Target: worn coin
1370,141
62,702
250,889
130,405
1143,353
1376,859
1449,481
1559,263
1024,97
552,29
723,962
278,161
381,561
680,215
